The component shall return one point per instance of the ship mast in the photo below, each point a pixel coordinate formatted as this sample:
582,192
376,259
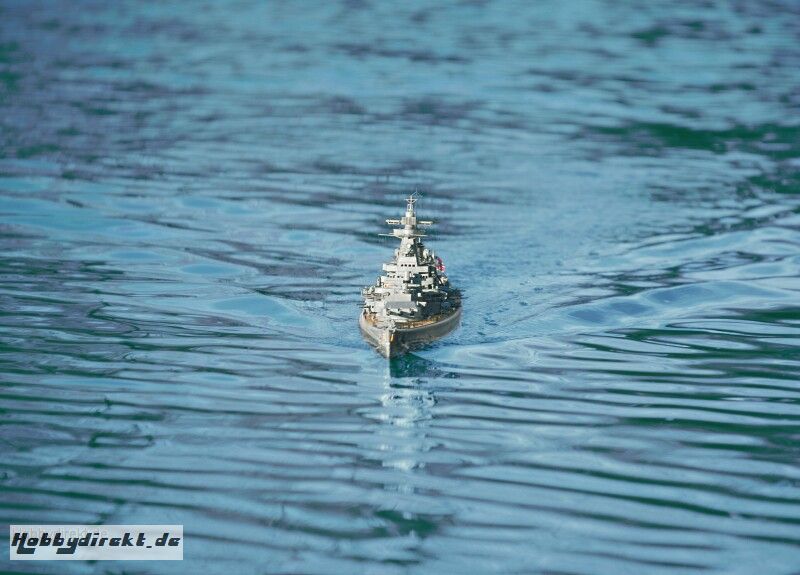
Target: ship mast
409,221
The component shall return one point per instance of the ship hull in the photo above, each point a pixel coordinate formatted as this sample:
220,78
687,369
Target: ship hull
391,342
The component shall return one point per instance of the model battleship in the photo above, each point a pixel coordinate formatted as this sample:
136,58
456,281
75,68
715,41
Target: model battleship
413,302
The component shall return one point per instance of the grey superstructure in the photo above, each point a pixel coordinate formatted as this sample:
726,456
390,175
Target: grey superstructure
412,302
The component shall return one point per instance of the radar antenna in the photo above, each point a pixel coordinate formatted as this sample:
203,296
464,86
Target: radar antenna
412,199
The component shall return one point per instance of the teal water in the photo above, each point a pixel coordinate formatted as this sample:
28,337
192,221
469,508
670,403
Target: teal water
190,197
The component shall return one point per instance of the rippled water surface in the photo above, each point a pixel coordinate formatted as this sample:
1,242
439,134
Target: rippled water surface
190,197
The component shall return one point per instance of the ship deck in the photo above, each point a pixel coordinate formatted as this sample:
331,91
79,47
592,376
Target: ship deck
372,319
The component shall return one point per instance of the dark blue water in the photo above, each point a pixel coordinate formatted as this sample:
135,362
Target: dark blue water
190,197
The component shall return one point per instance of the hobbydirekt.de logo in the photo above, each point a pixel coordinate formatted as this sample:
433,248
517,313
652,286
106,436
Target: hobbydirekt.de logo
96,542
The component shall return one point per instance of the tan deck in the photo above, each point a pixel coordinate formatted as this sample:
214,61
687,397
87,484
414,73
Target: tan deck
371,318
